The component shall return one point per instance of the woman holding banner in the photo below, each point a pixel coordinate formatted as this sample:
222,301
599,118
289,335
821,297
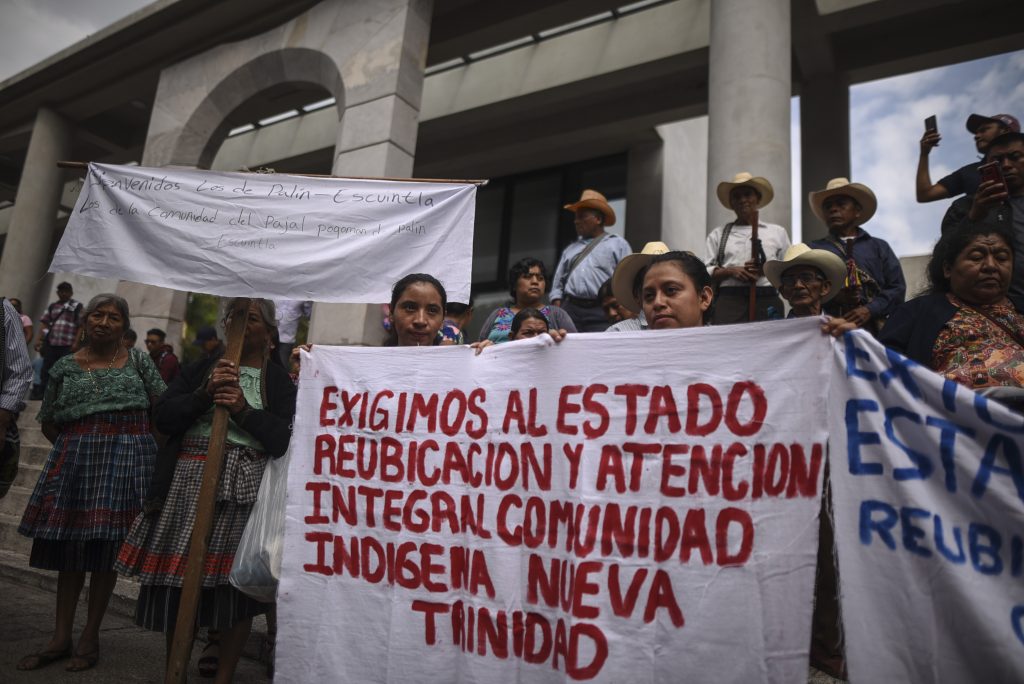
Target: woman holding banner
260,398
967,327
96,414
527,285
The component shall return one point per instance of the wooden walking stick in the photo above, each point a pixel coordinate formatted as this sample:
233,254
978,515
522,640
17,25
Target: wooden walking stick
184,628
755,255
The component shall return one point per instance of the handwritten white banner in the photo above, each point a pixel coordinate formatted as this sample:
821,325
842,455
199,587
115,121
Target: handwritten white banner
928,492
617,508
268,235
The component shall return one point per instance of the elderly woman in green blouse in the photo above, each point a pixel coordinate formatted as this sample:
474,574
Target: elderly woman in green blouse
96,414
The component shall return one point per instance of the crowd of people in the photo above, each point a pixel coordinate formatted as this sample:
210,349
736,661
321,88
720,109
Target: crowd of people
131,430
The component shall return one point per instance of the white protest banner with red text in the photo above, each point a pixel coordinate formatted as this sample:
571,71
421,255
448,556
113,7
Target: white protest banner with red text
928,496
616,508
268,235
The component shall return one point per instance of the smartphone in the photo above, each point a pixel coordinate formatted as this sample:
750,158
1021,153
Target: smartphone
991,172
931,124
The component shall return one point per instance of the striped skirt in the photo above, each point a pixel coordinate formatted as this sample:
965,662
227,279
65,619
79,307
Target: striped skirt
90,491
156,550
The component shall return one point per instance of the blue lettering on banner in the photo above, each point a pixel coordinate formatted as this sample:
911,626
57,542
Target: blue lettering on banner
852,354
981,407
912,533
947,446
924,465
855,439
1011,452
987,548
899,366
949,394
979,549
1017,619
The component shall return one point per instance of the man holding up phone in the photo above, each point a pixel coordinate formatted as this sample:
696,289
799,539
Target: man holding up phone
998,201
965,180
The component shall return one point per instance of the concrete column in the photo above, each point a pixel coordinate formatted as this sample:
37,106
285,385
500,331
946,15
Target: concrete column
26,254
824,141
749,91
684,211
643,194
378,138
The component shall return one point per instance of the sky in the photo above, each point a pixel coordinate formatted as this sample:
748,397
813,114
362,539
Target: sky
886,117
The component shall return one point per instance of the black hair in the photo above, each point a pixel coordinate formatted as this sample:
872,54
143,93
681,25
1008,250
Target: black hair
131,335
65,286
520,269
605,291
523,316
457,308
399,289
118,303
688,264
1006,138
949,247
158,332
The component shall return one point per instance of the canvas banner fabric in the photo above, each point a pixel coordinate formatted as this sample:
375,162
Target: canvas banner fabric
614,508
928,495
268,235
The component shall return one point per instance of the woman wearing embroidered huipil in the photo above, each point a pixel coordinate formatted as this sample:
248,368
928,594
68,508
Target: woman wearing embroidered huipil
261,400
96,414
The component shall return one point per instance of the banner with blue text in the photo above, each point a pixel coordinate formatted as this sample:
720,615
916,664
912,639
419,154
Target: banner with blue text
268,235
928,494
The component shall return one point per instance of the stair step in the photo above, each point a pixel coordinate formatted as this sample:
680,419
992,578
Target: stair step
10,540
15,501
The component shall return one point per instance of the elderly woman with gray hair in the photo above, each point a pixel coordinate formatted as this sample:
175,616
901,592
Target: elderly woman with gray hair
260,398
96,414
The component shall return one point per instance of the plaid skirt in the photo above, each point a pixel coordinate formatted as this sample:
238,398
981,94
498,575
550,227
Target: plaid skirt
156,549
94,480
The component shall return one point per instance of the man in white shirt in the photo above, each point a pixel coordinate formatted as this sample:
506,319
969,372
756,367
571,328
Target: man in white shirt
730,253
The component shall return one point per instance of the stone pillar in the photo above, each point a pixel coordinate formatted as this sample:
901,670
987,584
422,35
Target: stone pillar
378,138
749,90
824,141
26,254
643,194
684,211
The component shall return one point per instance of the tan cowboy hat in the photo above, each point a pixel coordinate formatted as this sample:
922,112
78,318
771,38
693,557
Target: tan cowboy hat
842,186
625,273
800,254
592,199
761,185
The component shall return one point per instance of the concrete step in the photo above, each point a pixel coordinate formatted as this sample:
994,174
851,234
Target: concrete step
28,474
10,540
33,455
16,500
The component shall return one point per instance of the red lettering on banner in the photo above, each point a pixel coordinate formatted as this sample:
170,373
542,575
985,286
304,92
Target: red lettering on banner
590,405
638,452
327,405
611,464
379,416
760,406
663,403
349,402
695,536
476,398
662,596
425,408
803,476
573,453
670,469
317,488
694,393
566,407
631,393
741,517
623,604
430,610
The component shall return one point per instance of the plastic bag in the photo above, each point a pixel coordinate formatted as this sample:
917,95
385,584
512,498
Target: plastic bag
257,565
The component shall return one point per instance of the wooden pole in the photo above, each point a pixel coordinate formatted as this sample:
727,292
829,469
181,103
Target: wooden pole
465,181
755,255
181,648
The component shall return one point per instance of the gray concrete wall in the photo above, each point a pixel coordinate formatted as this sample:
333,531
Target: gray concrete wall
685,174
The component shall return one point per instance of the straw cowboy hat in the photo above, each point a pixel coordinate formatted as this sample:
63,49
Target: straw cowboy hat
842,186
625,273
592,199
761,185
800,254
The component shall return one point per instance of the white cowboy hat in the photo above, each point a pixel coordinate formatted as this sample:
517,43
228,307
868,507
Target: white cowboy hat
592,199
761,185
842,186
625,273
800,254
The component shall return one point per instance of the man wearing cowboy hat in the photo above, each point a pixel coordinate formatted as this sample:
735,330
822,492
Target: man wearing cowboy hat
729,256
874,284
626,288
965,180
588,262
806,278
